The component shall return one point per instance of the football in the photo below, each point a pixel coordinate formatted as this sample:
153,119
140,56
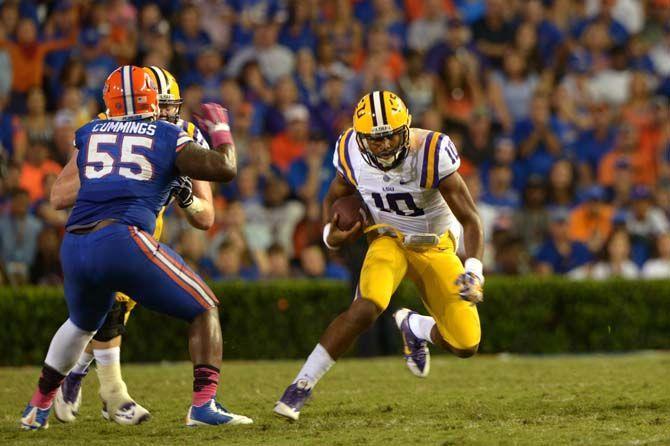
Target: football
351,209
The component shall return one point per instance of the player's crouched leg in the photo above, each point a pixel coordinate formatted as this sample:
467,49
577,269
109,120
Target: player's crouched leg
461,337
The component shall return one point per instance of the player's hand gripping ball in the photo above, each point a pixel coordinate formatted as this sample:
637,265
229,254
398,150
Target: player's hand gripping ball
349,217
350,210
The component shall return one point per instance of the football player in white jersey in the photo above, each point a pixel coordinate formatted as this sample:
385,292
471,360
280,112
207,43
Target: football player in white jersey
408,179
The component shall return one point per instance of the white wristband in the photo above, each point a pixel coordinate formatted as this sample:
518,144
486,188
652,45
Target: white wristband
195,207
326,231
474,266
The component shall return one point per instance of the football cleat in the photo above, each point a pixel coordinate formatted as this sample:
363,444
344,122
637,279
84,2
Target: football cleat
129,414
415,350
68,398
213,414
294,398
34,418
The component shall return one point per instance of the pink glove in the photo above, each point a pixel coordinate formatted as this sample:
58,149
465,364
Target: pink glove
214,120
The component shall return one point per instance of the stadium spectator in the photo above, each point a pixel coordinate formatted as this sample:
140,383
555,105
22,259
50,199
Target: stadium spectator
532,219
478,145
511,90
416,85
562,184
189,38
627,149
500,193
306,79
616,261
291,144
208,74
425,31
659,266
314,265
27,55
191,245
459,89
47,270
595,142
285,97
12,135
591,221
36,122
279,266
559,254
537,137
645,219
18,237
332,114
298,31
45,210
274,60
35,168
493,32
230,264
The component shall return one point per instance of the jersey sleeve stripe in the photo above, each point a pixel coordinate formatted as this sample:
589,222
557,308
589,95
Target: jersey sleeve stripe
424,167
431,171
345,161
436,160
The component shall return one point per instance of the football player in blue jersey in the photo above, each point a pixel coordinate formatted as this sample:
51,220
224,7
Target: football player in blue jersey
195,199
128,164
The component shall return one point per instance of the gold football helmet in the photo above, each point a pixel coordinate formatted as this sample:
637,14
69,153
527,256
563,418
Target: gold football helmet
381,122
169,99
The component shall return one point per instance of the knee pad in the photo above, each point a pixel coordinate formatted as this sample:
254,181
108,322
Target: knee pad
114,324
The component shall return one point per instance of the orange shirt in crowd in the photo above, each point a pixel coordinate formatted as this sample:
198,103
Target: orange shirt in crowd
32,177
284,150
28,61
584,225
642,165
414,8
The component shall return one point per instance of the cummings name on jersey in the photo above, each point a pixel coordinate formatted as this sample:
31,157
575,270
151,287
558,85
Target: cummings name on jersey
140,128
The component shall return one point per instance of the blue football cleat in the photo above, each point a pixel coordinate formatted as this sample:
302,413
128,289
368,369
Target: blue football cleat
415,350
34,418
213,414
295,396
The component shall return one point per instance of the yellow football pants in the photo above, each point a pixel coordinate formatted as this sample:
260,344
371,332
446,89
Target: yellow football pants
434,271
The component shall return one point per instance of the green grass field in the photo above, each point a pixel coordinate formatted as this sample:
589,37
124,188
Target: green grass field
608,400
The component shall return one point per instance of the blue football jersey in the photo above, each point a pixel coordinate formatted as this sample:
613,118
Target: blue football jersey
126,171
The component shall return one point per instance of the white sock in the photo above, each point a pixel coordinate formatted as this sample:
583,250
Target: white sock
67,346
112,388
83,362
107,356
421,326
317,364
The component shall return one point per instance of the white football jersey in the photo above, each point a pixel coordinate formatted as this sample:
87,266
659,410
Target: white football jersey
405,197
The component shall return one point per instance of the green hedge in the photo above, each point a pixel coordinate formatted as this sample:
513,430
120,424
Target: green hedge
285,319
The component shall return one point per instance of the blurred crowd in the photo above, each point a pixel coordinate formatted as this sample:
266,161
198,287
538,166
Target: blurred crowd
558,107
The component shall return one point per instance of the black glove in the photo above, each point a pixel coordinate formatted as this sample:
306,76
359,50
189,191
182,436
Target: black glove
183,191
